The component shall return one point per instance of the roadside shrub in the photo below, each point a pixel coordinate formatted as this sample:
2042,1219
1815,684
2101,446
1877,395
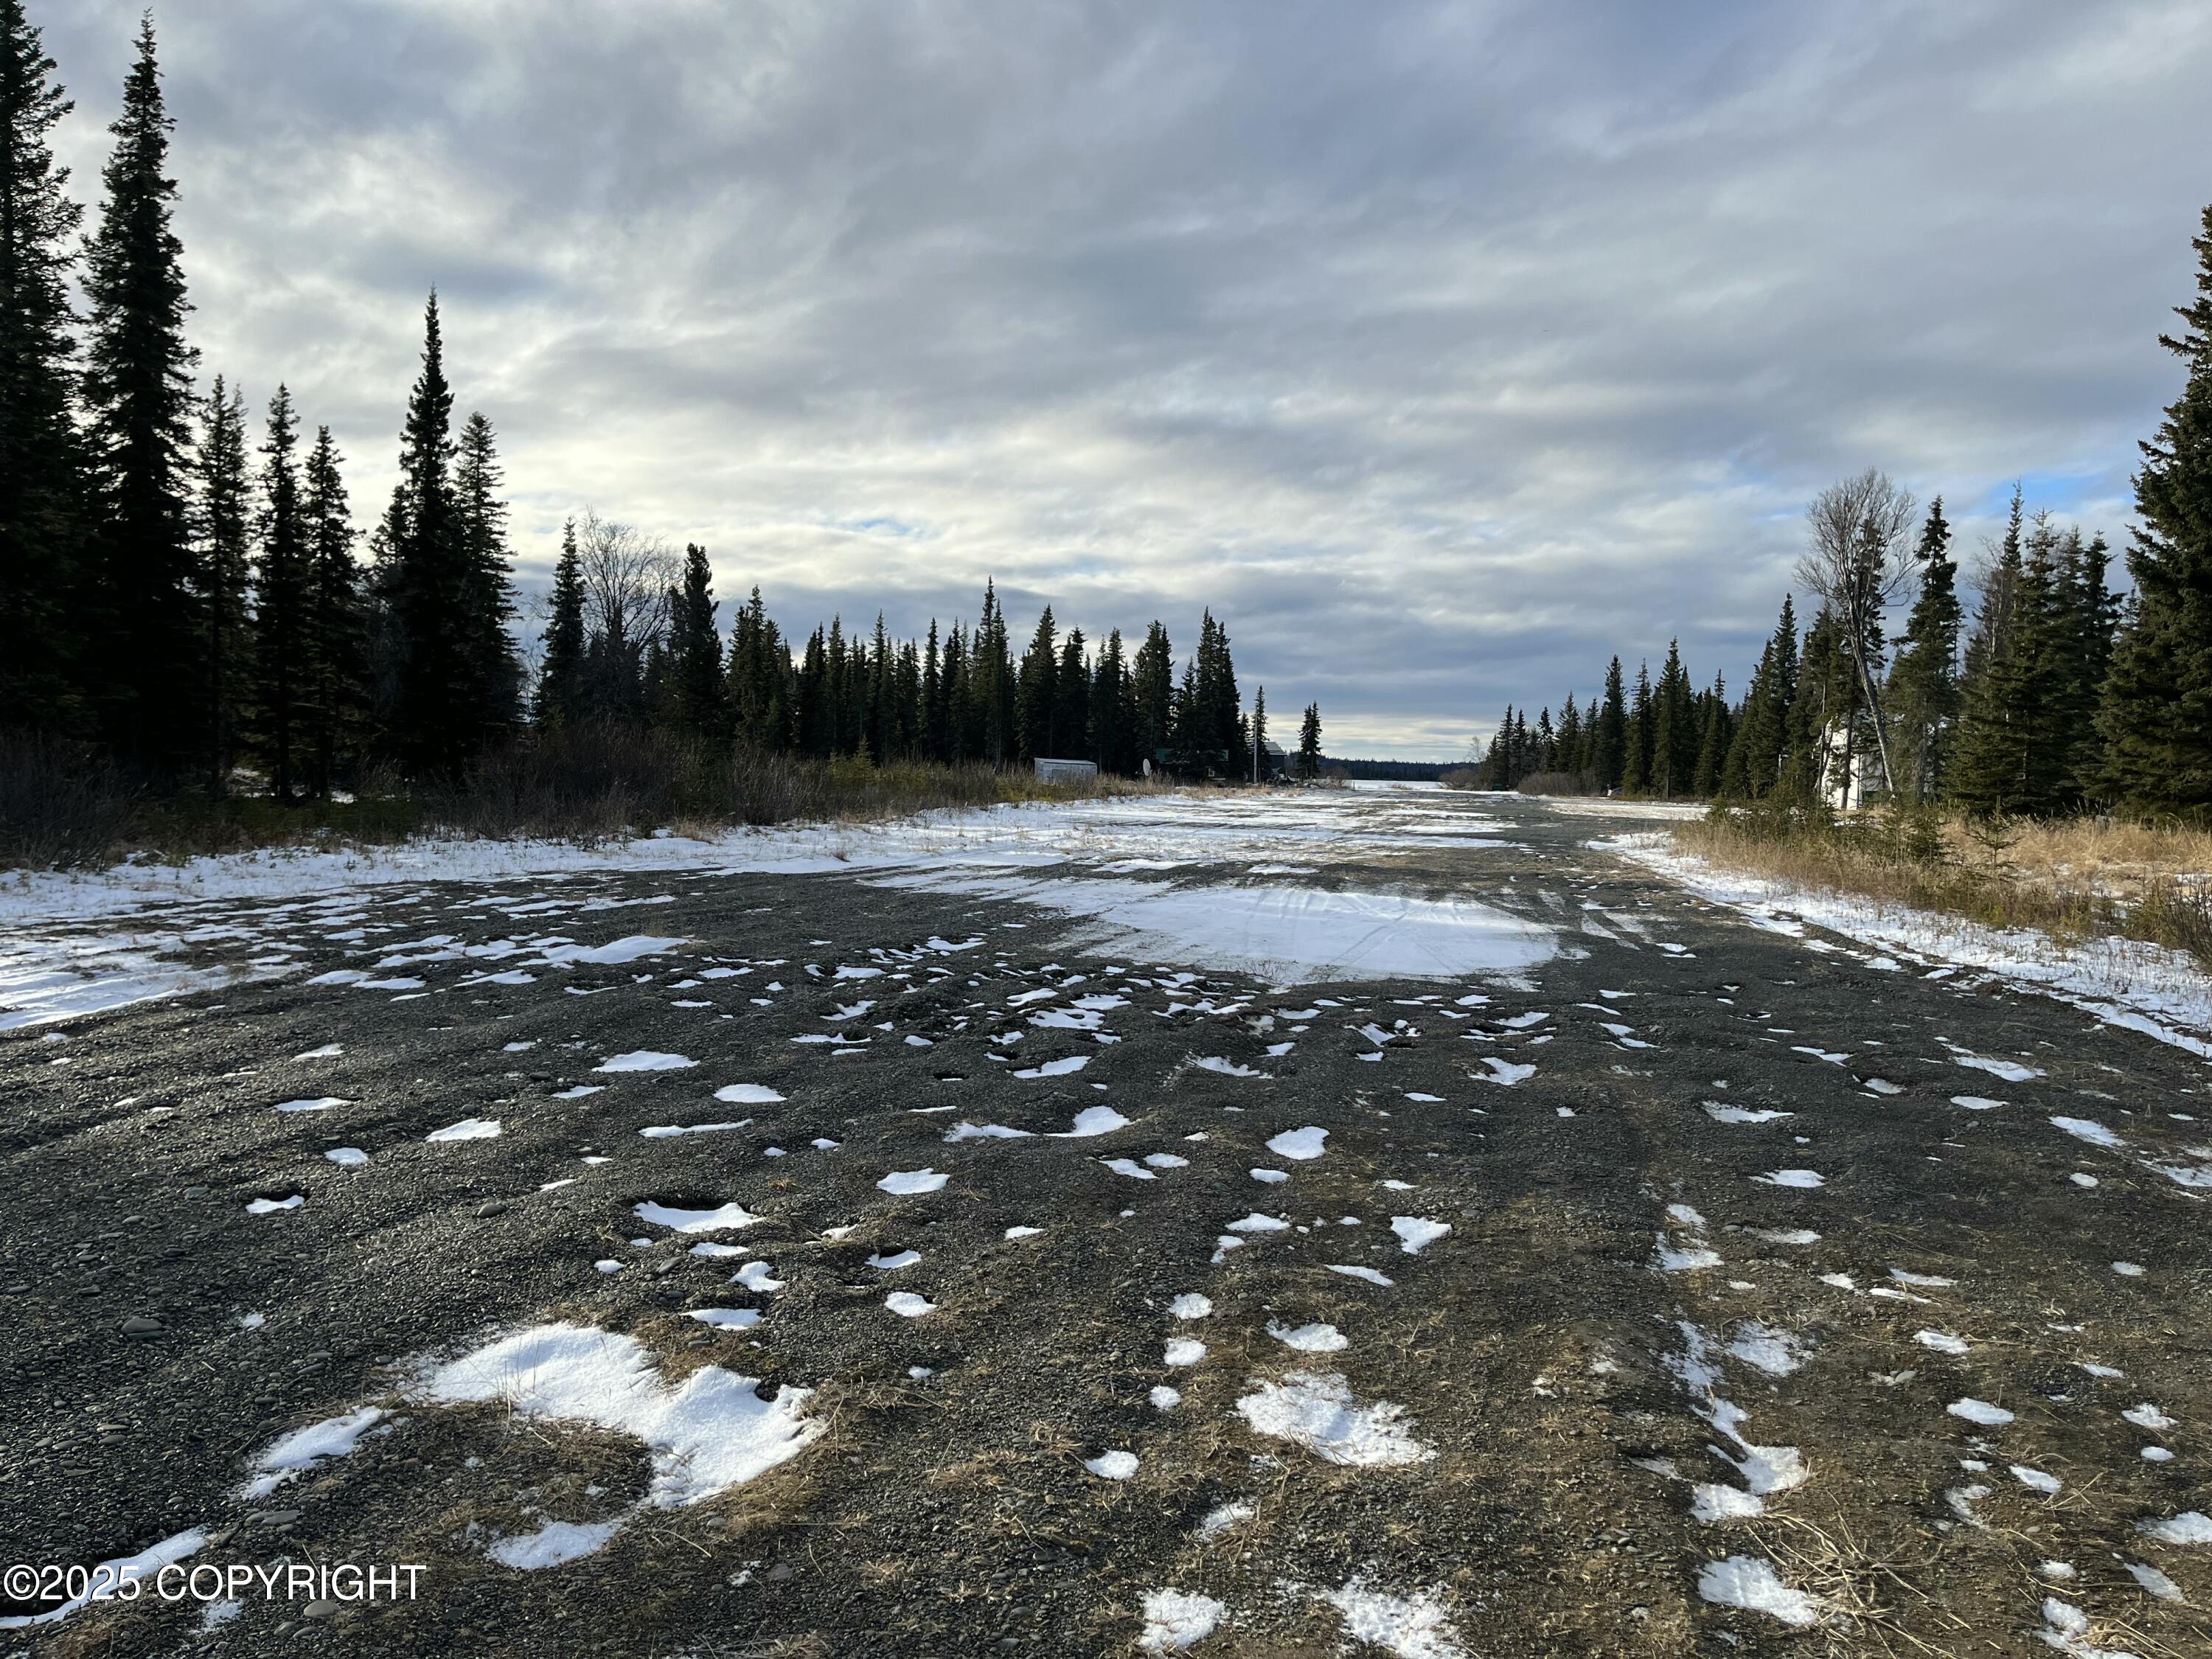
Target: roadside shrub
1558,783
61,802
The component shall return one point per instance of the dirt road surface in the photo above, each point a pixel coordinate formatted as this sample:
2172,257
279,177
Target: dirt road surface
1375,1223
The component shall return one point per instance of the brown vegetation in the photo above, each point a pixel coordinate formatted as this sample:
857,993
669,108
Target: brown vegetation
65,805
2072,878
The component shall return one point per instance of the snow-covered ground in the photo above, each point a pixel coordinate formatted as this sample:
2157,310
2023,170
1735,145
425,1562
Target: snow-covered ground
2124,983
56,964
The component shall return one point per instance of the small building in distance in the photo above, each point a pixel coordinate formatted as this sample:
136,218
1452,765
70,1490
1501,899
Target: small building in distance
1066,771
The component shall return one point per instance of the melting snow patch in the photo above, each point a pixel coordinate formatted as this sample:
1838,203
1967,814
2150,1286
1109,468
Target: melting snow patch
907,1305
1056,1067
282,1459
1315,1410
1415,1625
1720,1112
1093,1120
1745,1580
349,1157
1367,1274
1415,1233
2189,1527
902,1183
708,1434
271,1206
746,1094
1299,1143
1776,1352
1505,1071
1113,1465
553,1545
645,1059
728,1218
469,1128
2088,1129
1807,1178
1309,1339
1979,1411
1175,1619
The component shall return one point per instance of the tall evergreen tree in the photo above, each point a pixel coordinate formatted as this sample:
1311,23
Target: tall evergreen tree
1036,689
454,685
560,699
1923,681
1070,700
1673,728
1759,752
283,592
137,398
1712,743
2157,713
1110,744
493,683
221,520
1636,757
1609,730
42,482
1152,688
702,698
337,630
1309,741
1260,732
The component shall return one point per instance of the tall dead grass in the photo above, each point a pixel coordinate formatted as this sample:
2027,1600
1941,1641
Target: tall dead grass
64,806
2072,878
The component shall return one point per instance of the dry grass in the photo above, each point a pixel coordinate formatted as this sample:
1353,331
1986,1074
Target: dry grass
2072,878
64,806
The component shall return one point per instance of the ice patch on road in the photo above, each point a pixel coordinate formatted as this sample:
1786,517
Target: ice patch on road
1284,935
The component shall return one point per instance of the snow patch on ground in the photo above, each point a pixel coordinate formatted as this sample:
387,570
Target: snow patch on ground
2124,983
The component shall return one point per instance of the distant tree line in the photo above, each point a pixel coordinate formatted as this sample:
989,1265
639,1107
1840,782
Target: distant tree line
2059,695
190,598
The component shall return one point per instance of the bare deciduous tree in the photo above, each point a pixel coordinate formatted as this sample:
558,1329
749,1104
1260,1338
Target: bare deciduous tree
1860,564
627,577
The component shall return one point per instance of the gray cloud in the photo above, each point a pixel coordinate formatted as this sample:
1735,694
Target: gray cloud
1442,349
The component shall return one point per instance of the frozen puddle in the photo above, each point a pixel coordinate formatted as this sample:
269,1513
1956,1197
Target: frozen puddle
1284,935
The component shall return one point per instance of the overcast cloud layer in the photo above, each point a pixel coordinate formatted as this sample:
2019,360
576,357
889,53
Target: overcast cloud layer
1443,349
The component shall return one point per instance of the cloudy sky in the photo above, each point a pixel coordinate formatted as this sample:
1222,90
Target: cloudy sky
1443,349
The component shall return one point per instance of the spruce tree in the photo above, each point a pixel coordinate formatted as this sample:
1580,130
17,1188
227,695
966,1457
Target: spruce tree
1070,700
1923,681
1309,741
1636,757
1673,728
221,521
702,695
1152,688
559,702
435,727
1110,708
337,691
494,671
148,676
1036,689
42,479
1609,732
2157,712
1260,732
1712,743
283,594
